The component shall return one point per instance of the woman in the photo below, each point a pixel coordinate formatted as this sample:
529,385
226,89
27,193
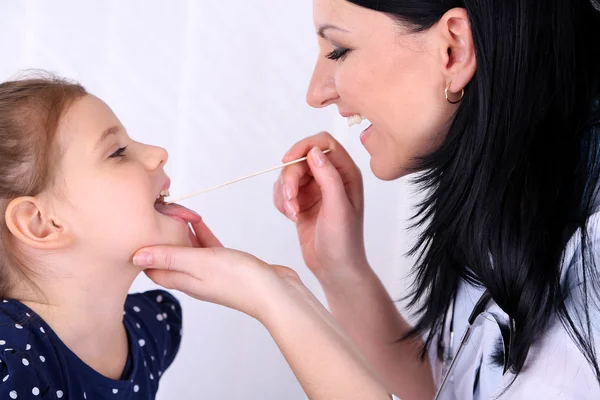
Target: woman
495,104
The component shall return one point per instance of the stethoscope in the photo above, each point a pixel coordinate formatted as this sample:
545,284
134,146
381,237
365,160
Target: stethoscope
473,322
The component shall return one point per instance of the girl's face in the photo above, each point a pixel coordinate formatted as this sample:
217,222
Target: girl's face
371,65
109,185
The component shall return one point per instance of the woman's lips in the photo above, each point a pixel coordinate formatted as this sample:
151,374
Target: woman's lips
365,134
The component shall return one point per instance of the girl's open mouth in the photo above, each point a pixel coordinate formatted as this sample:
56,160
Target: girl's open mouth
175,210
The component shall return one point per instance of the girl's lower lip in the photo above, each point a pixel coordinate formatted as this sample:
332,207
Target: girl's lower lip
365,134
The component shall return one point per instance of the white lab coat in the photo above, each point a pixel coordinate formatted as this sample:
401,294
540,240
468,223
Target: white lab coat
555,368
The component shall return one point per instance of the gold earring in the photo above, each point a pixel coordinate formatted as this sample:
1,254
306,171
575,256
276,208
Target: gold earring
462,94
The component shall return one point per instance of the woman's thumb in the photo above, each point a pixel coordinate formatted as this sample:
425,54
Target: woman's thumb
173,258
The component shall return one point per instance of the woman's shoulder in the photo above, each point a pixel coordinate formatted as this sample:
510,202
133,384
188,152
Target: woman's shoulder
581,261
555,368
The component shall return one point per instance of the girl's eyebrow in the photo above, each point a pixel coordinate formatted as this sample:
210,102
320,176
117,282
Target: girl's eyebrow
106,133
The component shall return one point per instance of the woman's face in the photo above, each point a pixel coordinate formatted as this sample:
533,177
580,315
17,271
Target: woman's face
371,65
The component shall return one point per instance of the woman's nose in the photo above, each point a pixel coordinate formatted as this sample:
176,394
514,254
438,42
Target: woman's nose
321,90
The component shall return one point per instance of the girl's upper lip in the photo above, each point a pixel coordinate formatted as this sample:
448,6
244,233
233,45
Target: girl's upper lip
167,184
348,114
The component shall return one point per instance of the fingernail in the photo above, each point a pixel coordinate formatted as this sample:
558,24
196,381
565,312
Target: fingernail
143,259
287,190
290,211
318,156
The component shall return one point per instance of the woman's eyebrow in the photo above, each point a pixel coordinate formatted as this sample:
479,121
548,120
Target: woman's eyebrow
323,28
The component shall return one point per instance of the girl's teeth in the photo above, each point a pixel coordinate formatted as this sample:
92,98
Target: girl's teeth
164,193
355,119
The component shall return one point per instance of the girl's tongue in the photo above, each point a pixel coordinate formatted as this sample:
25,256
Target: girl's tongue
177,211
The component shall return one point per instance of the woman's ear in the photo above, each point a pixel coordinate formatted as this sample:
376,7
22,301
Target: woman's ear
31,224
458,62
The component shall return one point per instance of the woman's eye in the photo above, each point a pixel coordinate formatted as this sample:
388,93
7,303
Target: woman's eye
119,153
337,53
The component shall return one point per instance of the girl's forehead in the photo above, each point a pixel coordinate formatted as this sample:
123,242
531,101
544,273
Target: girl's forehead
86,120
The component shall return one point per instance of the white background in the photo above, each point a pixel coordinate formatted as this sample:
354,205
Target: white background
221,85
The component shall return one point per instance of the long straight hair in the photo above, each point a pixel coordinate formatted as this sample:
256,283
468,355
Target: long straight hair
517,174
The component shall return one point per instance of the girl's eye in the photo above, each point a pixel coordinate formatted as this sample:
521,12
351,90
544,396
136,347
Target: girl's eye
337,53
119,153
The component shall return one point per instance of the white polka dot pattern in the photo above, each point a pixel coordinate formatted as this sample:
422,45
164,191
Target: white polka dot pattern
146,324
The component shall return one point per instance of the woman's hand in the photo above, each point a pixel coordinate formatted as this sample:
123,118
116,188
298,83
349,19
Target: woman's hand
324,197
325,361
326,202
212,273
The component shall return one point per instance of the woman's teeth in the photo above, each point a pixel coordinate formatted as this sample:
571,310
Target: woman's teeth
355,119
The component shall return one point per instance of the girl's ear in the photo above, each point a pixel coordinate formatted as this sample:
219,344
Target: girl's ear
32,225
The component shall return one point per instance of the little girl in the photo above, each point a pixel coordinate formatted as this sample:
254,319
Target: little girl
77,198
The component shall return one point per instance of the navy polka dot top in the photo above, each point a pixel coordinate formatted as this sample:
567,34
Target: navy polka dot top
36,364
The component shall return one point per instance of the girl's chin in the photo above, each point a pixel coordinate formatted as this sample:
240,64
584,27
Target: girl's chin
170,234
184,238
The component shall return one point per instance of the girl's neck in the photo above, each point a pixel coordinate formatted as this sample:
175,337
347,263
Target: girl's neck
86,313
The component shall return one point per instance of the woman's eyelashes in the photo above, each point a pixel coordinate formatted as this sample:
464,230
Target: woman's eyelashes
339,53
119,153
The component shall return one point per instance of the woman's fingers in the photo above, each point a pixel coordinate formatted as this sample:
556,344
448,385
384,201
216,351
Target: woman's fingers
222,276
171,279
338,156
204,235
285,197
328,178
294,176
201,289
322,140
174,258
201,235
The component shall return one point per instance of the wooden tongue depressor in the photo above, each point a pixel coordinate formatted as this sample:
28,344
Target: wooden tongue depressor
242,178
